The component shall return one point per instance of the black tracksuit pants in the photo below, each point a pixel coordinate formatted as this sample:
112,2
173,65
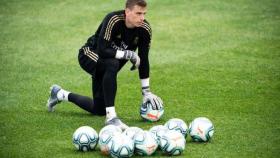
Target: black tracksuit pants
104,83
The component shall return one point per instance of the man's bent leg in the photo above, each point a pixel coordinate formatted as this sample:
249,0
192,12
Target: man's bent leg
112,66
97,89
110,81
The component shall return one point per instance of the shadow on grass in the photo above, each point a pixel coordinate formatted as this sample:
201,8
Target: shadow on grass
71,151
96,153
76,114
64,113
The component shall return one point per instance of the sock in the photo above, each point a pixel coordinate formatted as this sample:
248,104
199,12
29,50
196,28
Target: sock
110,113
62,95
145,83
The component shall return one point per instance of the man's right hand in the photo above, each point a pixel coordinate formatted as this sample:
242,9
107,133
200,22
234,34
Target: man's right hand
133,57
129,55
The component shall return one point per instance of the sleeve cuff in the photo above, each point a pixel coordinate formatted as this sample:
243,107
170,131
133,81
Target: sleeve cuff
119,54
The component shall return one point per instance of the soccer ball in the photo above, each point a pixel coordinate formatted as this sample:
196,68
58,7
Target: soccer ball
85,138
145,143
177,125
172,142
201,129
105,136
158,131
121,146
111,128
131,131
148,113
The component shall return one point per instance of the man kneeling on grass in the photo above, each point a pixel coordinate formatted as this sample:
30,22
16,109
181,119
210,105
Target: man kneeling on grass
104,54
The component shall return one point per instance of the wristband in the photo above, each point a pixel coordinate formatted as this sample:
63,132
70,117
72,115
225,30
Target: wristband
119,54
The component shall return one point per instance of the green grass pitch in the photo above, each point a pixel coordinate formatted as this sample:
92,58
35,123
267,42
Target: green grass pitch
214,58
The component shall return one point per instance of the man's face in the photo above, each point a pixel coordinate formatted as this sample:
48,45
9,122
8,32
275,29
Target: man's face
135,16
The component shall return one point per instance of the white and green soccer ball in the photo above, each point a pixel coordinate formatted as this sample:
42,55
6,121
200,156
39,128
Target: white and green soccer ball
85,138
158,131
201,129
149,114
145,143
105,136
131,131
177,125
111,128
172,143
121,146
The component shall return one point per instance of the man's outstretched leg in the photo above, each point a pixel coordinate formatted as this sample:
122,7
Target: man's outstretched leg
57,94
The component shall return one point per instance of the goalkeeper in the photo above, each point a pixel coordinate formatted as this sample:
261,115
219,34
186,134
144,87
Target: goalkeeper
104,54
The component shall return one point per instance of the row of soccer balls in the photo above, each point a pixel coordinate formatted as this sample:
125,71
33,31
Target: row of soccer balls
170,138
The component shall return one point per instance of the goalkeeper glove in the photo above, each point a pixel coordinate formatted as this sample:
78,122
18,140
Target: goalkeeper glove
129,55
156,101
